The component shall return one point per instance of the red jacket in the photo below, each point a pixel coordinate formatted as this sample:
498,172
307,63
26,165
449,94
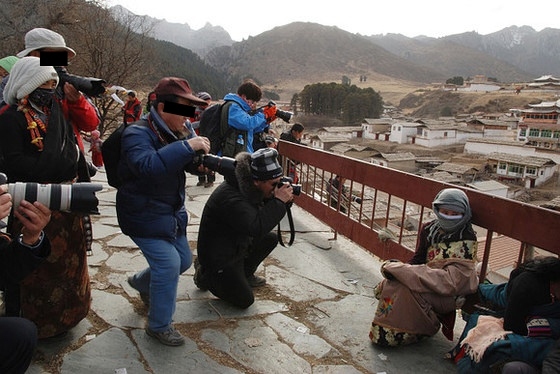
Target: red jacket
132,111
82,115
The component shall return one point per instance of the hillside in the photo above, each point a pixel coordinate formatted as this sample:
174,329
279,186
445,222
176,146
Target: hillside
314,53
430,103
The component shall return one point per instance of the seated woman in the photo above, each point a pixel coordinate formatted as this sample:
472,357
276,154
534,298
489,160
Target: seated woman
526,325
414,297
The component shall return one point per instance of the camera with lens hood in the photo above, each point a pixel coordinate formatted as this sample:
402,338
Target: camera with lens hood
89,86
76,197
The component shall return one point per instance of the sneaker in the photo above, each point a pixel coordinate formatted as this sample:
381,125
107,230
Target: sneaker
208,184
145,297
200,183
197,277
255,281
170,336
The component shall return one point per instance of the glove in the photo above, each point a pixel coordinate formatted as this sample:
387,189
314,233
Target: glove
269,113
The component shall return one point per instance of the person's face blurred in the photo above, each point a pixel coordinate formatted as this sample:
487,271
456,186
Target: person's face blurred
297,135
3,72
175,122
267,187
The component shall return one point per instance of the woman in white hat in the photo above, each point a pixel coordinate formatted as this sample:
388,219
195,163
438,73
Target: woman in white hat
38,145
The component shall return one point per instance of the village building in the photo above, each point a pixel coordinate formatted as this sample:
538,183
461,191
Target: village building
545,82
491,187
465,173
405,161
529,170
540,125
436,135
403,132
376,128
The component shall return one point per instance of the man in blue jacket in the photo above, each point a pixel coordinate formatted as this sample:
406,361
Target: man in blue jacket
245,118
155,153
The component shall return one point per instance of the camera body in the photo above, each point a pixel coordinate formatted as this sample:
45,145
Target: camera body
287,180
89,86
283,115
76,197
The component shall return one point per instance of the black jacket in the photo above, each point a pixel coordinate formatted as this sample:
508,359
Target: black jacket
234,214
17,260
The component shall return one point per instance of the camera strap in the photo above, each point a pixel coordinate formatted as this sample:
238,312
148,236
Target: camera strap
292,230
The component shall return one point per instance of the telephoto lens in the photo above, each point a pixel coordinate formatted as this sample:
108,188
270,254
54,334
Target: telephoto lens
76,197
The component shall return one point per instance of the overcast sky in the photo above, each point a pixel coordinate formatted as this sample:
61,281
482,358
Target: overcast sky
411,18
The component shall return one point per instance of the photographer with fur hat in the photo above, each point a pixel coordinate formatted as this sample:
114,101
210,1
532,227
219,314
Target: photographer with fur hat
235,233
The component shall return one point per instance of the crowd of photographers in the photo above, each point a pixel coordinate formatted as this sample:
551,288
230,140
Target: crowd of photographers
44,275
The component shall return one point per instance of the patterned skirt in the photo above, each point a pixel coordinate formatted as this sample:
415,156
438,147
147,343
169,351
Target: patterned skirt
57,295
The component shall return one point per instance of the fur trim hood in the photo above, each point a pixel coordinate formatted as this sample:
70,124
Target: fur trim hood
244,178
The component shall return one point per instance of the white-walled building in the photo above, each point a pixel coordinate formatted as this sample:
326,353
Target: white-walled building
403,132
439,135
376,128
531,171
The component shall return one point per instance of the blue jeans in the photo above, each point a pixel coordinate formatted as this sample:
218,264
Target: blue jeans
167,259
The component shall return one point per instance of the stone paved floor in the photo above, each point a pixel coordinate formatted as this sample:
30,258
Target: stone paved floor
312,317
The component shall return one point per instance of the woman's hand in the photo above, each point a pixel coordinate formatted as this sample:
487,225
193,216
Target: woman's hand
34,217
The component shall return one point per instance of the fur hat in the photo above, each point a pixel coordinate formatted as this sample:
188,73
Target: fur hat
40,38
26,76
8,62
177,87
264,164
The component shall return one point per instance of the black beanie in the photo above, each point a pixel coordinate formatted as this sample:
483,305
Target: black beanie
264,164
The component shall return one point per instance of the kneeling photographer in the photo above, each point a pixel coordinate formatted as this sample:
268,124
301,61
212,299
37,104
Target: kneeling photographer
236,229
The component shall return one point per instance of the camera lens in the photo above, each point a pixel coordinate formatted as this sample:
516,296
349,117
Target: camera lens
77,197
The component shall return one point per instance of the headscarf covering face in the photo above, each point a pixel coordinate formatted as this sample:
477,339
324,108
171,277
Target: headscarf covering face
445,226
456,200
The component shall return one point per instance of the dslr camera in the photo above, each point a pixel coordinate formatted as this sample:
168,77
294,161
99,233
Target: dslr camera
287,180
89,86
283,115
76,197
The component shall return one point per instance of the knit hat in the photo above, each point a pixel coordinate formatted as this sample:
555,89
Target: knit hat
177,87
26,76
40,38
264,164
204,96
8,62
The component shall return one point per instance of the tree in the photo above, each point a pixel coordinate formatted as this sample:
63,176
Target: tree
458,81
348,103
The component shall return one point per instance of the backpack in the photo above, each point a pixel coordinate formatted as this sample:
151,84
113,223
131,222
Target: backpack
111,151
223,138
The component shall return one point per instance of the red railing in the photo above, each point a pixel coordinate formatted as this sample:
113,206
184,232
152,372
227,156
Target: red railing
396,203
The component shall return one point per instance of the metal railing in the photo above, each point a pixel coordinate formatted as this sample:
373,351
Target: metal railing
394,204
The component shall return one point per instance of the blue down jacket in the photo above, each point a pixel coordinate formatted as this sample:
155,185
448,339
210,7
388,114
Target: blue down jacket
151,200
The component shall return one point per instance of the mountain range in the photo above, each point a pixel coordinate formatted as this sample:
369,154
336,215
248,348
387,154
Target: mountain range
310,51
